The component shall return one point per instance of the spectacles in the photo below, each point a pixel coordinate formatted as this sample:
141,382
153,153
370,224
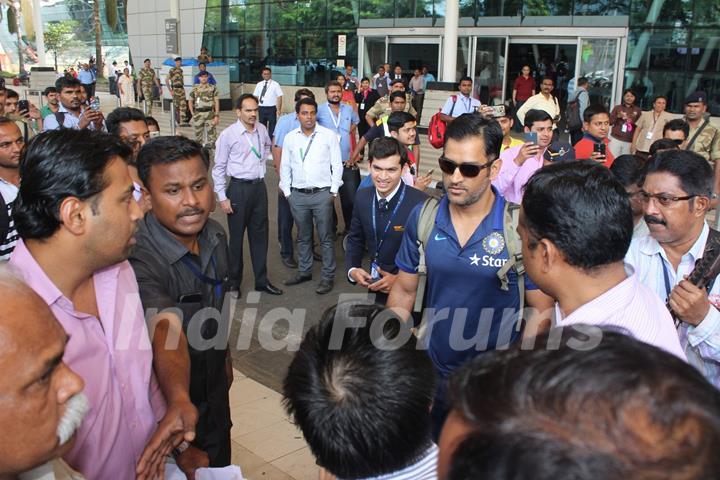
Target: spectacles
663,199
468,170
678,141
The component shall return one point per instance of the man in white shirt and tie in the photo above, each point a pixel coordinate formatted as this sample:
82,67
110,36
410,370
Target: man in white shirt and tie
310,177
456,105
269,94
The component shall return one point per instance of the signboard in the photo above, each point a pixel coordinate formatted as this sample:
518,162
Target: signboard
171,35
342,45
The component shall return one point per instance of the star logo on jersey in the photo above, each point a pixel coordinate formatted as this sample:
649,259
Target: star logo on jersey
493,243
475,260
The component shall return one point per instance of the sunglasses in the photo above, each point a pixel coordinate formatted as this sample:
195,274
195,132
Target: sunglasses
678,142
468,170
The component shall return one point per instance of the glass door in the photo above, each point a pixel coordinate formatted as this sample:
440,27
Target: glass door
374,53
489,70
414,52
597,61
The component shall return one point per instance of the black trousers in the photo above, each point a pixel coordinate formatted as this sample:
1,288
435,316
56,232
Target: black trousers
250,212
268,117
351,182
285,224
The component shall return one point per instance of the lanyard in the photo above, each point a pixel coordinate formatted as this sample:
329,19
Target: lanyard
378,243
468,105
215,282
303,155
252,147
332,115
666,277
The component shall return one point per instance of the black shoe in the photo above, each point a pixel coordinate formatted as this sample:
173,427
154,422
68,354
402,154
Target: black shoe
317,257
289,262
297,279
325,286
269,288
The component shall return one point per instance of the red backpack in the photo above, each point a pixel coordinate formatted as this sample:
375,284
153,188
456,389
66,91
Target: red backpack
436,129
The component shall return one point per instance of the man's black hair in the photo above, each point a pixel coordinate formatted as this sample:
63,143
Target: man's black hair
266,68
385,147
398,94
66,82
303,92
662,144
612,408
536,115
333,83
305,101
363,408
364,79
121,115
677,125
509,112
629,170
12,93
243,97
397,120
581,209
470,125
49,90
152,122
592,110
58,164
465,79
164,150
582,81
546,77
146,60
693,171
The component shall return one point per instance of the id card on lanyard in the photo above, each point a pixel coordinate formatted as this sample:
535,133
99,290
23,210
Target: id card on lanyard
253,149
336,122
374,273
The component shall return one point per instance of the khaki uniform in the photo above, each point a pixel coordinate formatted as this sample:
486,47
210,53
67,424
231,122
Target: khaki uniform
382,107
176,81
707,144
146,76
203,98
203,58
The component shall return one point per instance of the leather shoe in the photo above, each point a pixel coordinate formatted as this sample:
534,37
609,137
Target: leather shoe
269,288
289,262
325,286
297,279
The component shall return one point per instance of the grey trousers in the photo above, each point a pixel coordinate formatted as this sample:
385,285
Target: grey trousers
317,207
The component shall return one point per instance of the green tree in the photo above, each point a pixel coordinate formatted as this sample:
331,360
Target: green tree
60,36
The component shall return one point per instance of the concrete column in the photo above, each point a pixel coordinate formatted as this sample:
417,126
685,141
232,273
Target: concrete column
450,39
39,32
175,13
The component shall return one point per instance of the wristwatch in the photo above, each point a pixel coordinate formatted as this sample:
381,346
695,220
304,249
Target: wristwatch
177,451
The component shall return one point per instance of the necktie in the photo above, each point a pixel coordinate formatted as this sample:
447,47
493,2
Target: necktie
382,205
262,94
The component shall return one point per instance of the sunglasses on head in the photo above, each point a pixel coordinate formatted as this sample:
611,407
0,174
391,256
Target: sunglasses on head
468,170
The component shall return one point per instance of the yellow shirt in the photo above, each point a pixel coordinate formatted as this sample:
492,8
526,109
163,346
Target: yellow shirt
514,142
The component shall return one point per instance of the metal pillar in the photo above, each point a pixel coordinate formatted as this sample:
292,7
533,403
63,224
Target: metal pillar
172,119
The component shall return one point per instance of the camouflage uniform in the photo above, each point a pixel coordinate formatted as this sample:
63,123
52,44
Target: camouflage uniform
147,80
203,98
707,144
203,58
382,107
176,81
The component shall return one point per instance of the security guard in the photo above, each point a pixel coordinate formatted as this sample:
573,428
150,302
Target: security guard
382,107
146,80
205,110
176,84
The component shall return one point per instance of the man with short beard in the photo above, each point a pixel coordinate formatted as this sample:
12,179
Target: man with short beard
181,262
11,146
42,400
53,104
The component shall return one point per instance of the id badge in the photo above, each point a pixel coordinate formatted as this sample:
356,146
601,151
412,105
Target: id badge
649,136
362,106
374,272
624,128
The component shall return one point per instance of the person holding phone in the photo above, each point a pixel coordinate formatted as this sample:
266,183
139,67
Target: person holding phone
594,143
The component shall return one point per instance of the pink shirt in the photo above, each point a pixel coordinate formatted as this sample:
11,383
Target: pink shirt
633,307
512,178
114,357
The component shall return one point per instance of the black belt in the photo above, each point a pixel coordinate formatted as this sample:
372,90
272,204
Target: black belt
204,109
310,191
247,180
271,106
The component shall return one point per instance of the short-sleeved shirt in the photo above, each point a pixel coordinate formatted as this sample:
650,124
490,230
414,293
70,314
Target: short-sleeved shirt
382,107
524,87
286,124
340,124
272,92
462,104
166,281
653,124
463,288
707,144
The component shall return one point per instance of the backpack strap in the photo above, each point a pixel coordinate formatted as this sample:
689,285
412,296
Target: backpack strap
454,99
60,117
511,215
426,222
697,134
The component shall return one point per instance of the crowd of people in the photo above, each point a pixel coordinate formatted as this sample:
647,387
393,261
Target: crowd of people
536,314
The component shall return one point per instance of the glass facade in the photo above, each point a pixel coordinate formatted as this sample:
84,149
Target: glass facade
673,46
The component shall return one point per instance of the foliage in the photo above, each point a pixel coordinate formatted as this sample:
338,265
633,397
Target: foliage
60,36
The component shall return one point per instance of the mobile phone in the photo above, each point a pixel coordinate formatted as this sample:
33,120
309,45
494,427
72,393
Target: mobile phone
190,298
531,137
23,106
95,104
429,172
498,111
154,134
600,148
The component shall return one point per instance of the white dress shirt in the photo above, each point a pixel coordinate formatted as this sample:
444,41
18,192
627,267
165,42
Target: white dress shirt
702,342
322,163
539,102
271,94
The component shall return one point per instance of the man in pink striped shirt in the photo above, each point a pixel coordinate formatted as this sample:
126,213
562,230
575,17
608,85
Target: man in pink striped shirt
77,217
576,225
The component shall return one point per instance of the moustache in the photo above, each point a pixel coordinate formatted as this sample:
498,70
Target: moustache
75,410
191,212
650,219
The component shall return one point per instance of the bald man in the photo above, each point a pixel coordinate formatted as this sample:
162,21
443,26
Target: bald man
41,404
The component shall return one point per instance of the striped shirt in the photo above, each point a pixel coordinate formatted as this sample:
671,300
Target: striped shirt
633,307
7,244
702,342
423,469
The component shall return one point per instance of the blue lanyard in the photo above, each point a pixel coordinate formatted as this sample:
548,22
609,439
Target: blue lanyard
378,243
215,282
666,277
